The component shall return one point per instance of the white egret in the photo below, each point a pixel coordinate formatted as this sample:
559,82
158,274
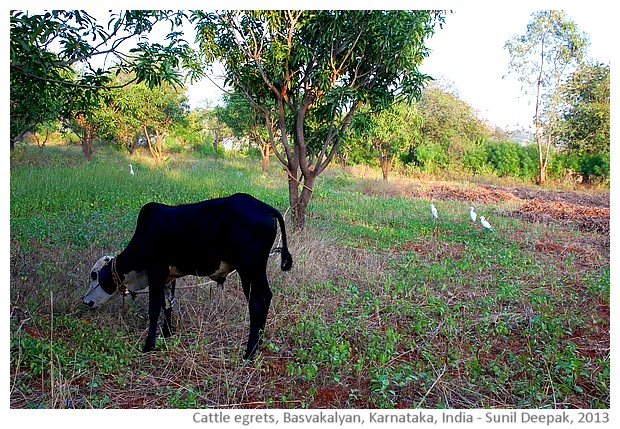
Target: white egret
434,211
472,214
131,169
485,224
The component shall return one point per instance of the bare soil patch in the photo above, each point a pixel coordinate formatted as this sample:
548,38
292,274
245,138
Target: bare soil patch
587,211
586,218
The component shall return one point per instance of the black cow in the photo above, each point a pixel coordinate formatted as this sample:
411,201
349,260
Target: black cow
210,238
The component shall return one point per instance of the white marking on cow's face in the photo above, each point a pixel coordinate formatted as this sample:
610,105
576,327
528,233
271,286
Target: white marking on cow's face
96,295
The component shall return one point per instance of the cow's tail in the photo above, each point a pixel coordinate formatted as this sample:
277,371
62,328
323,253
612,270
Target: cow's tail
287,259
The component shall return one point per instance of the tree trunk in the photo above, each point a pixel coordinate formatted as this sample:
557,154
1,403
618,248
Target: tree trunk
386,162
156,152
265,151
264,163
542,176
47,134
543,155
88,135
87,143
300,192
384,166
160,151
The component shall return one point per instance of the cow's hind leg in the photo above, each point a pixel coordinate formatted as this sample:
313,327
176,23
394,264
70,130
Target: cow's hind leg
258,294
168,304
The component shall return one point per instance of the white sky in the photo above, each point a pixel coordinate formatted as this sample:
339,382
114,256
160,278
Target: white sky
469,52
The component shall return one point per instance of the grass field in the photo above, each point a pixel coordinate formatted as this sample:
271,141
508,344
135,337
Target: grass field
383,308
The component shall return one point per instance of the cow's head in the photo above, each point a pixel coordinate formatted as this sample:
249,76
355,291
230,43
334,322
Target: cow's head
102,286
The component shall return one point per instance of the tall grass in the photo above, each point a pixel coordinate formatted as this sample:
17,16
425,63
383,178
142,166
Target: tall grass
383,307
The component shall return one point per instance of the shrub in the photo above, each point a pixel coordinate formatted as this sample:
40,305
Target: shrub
504,158
594,166
431,156
528,160
475,157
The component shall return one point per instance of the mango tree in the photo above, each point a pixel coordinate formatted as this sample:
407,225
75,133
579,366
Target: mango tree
245,121
388,134
308,72
138,111
62,62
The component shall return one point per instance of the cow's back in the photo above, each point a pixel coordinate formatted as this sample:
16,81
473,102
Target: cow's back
221,228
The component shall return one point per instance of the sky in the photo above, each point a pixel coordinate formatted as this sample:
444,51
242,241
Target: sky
468,52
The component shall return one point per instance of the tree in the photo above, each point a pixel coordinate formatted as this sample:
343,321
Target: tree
583,126
448,120
245,121
584,122
388,133
315,68
551,47
136,110
45,50
116,120
156,111
216,127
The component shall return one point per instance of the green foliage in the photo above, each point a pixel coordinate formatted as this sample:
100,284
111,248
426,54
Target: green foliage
447,119
541,58
551,44
46,49
387,135
206,149
382,304
528,159
71,346
307,72
431,156
592,166
243,119
475,157
504,158
584,125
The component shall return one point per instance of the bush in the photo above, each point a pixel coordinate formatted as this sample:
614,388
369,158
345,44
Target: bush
528,160
594,166
504,158
206,149
475,157
431,157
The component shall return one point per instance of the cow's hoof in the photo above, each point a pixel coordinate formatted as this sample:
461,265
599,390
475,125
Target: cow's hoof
250,355
148,348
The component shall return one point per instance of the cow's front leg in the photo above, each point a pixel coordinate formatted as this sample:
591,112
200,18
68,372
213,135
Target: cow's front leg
168,304
259,298
156,302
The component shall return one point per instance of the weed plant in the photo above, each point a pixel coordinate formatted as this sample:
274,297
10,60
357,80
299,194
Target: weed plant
383,307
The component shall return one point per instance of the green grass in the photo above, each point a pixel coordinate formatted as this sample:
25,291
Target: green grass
383,308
